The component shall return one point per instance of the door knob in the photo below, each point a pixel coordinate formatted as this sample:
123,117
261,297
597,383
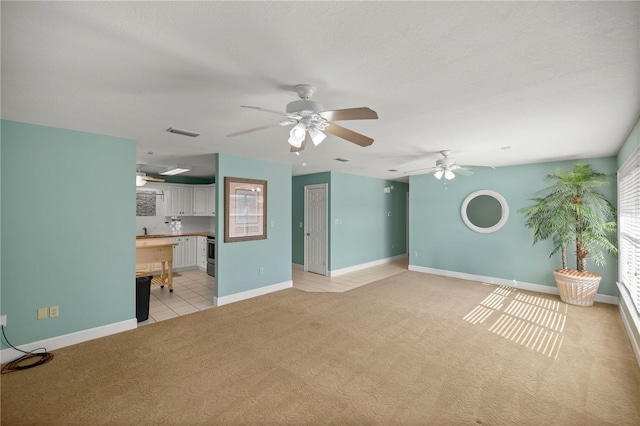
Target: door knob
308,234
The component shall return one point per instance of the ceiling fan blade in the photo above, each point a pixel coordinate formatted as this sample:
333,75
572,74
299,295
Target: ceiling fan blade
348,135
426,170
255,129
468,166
302,146
462,171
263,109
152,179
361,113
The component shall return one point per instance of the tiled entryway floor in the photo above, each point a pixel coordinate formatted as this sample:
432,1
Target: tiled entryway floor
311,282
193,290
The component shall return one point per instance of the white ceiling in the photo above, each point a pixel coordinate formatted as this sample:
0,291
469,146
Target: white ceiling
551,80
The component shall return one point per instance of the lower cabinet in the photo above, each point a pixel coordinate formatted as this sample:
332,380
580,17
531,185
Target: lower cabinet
184,253
201,253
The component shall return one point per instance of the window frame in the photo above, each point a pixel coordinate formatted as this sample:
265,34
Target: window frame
629,232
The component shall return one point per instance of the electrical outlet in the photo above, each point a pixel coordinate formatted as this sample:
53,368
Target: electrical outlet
54,311
43,313
3,320
261,270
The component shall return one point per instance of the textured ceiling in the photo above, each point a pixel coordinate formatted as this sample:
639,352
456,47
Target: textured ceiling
550,80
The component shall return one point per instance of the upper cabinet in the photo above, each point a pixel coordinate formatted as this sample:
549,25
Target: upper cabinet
169,199
204,200
179,200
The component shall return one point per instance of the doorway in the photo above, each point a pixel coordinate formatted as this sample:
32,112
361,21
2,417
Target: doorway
316,229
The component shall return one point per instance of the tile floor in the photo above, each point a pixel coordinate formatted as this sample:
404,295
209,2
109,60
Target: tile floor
192,292
193,289
319,283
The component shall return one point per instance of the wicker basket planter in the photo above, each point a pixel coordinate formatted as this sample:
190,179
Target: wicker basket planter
577,288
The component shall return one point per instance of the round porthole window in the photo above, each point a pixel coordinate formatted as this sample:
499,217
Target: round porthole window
485,211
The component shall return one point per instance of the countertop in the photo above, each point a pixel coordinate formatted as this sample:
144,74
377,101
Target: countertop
151,244
183,234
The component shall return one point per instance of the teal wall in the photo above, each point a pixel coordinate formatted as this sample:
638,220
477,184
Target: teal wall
68,226
630,144
238,263
297,212
440,239
365,231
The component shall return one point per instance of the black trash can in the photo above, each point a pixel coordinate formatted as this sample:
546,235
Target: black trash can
143,292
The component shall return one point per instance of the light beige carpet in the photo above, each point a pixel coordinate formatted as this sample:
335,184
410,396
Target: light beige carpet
412,349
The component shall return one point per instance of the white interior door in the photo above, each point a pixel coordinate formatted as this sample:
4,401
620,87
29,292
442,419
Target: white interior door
315,243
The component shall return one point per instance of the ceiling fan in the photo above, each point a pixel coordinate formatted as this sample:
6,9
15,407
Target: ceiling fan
447,167
142,178
311,121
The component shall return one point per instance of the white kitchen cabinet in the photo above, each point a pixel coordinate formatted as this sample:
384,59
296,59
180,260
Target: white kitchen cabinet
179,200
184,253
201,253
190,252
211,200
200,201
204,200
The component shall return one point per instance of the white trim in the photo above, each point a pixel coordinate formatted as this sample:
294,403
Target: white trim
630,322
58,342
539,288
297,266
366,265
249,294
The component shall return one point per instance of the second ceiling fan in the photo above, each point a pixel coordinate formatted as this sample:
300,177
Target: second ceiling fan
311,121
447,167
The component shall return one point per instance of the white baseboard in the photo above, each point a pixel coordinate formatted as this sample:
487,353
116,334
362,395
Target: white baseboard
630,321
540,288
365,265
53,343
232,298
297,266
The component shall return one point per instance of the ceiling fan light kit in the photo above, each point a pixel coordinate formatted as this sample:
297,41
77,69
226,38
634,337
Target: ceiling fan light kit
316,136
309,117
297,135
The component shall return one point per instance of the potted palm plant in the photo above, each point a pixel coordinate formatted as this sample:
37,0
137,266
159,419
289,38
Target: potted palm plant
573,212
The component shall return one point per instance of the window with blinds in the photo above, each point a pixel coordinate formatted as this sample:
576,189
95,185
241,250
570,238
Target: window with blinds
629,227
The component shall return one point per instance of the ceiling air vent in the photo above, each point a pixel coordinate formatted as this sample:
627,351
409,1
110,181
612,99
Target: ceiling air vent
183,132
343,160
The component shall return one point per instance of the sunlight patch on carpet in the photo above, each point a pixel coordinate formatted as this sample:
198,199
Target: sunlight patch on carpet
529,320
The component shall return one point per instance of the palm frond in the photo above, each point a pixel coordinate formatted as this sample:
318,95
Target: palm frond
573,211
